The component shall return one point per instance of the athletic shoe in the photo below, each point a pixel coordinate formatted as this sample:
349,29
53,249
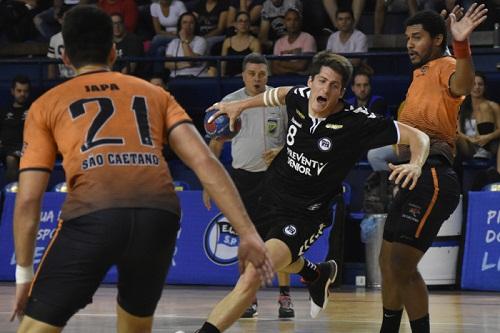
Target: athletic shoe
286,307
250,312
318,289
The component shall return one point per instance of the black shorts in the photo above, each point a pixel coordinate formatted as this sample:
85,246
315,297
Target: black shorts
298,231
140,242
250,187
416,216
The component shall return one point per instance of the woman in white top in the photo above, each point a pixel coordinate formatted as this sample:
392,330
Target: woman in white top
479,127
188,44
165,15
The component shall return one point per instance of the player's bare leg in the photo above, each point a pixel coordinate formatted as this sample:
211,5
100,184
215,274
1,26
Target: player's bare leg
399,270
29,325
127,323
229,309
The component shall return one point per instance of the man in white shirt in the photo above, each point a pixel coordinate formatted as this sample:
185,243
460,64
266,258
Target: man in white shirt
347,39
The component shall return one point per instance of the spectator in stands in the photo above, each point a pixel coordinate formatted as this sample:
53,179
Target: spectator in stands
331,7
16,20
212,18
479,130
47,21
347,39
12,124
127,8
362,90
393,6
188,44
241,44
272,24
56,49
127,45
252,7
165,15
294,42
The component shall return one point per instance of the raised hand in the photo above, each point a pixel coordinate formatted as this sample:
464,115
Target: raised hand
231,109
462,28
456,10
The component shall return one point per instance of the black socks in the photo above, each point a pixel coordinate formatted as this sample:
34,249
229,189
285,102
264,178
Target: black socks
420,325
391,321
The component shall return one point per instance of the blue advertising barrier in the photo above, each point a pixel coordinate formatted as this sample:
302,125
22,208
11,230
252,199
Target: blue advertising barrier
481,264
205,252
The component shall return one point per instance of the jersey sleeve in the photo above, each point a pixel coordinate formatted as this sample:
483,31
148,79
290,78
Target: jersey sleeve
376,131
39,148
297,98
446,71
175,114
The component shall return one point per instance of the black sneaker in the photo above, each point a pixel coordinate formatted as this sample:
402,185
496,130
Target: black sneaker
318,289
250,312
286,307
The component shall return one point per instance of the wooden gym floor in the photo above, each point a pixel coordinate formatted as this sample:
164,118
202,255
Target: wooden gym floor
350,310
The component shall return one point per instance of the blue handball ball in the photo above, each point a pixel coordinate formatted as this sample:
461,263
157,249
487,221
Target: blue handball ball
219,128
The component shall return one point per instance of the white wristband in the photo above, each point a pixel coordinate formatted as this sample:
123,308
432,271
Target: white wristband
24,274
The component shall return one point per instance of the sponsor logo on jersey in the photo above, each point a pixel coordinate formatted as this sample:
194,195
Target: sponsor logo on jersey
334,126
221,241
309,242
296,123
303,165
290,230
325,144
300,114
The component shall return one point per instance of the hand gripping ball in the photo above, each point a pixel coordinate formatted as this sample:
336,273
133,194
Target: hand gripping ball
219,127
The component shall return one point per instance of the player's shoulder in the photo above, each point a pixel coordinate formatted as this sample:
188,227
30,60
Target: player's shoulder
300,91
446,62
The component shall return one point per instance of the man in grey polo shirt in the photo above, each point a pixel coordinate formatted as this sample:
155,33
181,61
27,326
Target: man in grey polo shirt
260,134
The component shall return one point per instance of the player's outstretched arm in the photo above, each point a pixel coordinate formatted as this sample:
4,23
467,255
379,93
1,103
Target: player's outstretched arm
419,147
462,80
32,185
271,97
190,147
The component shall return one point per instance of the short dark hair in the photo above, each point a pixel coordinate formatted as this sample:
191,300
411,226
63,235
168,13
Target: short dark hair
21,79
345,10
336,62
254,58
431,22
363,69
117,14
88,35
242,13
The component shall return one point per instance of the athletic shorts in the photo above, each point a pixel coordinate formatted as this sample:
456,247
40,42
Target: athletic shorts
416,216
140,242
298,231
250,187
